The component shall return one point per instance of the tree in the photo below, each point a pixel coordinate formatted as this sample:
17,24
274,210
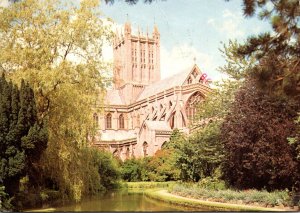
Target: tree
23,138
255,141
57,48
274,77
131,170
277,70
162,166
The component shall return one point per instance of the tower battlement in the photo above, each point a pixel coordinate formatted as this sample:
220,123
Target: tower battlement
136,58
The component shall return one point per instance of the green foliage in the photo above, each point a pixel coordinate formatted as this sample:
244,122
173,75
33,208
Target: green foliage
255,141
223,195
96,170
198,155
22,139
131,170
277,54
147,185
56,46
212,183
295,141
5,204
162,166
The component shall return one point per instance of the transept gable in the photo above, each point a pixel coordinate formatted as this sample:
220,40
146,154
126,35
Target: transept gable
193,76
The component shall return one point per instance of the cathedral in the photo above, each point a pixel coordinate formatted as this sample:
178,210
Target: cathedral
142,110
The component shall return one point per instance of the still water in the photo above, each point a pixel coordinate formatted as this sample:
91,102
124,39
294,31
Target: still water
121,201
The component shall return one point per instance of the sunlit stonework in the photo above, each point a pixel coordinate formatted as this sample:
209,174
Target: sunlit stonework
142,110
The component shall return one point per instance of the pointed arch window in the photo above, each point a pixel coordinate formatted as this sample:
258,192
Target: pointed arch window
108,121
96,120
191,105
121,121
145,147
138,120
190,80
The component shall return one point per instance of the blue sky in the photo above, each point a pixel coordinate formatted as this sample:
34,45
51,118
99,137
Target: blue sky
189,29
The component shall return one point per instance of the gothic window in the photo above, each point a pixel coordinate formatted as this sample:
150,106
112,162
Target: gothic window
191,105
145,147
195,74
121,121
161,106
170,104
172,121
96,120
163,117
127,153
138,120
108,121
189,80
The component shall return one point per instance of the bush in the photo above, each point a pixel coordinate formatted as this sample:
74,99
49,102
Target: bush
212,183
131,170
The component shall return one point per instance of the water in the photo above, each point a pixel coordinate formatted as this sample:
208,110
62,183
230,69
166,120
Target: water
121,201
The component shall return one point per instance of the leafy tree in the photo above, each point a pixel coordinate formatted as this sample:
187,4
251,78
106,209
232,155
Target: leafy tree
277,70
23,138
274,85
57,48
255,141
198,155
208,149
131,170
162,166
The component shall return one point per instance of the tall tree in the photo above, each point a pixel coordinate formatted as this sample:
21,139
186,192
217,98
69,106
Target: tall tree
278,67
16,158
57,47
255,141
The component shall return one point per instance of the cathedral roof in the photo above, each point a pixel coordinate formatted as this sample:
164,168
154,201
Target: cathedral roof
113,135
158,125
113,98
160,86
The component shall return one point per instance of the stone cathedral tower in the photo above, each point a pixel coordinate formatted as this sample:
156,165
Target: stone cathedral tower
136,62
141,110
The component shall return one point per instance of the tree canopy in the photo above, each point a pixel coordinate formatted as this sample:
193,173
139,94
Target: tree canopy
23,138
56,46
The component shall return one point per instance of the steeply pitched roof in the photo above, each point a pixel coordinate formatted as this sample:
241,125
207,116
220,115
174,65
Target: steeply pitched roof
175,80
113,98
158,125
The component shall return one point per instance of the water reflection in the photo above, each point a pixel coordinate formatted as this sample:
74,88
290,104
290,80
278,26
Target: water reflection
121,201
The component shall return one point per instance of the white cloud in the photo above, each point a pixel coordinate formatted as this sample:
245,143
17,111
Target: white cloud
4,3
184,56
229,25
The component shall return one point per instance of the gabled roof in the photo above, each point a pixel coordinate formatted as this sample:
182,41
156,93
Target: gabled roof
158,125
113,98
175,80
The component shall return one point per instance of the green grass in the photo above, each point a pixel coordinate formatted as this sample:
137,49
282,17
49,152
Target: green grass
263,197
202,205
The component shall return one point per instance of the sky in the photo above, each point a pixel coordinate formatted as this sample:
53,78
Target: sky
191,30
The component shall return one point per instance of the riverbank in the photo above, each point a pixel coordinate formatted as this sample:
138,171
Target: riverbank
164,195
192,196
